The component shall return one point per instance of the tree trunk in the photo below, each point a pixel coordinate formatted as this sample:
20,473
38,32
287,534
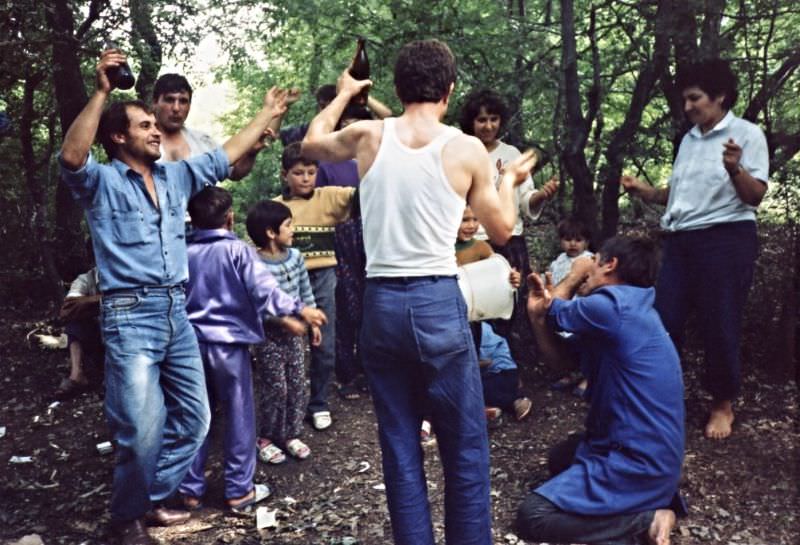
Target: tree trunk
147,47
576,130
39,217
622,138
71,98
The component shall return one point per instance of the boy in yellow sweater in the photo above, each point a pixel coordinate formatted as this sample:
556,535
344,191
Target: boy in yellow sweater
315,213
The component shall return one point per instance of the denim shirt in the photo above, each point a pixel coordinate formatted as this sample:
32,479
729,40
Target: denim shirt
137,243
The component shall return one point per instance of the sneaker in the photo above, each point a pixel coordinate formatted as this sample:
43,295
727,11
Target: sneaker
248,506
321,420
522,407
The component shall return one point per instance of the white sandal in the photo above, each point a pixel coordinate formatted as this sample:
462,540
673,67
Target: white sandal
269,452
298,449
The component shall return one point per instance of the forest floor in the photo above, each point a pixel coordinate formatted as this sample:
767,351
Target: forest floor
741,491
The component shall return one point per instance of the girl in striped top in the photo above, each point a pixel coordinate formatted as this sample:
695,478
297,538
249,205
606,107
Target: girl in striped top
279,378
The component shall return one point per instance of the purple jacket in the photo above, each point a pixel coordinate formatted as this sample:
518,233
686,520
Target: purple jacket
230,290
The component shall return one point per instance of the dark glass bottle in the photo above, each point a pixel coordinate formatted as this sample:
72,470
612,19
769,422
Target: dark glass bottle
359,68
120,76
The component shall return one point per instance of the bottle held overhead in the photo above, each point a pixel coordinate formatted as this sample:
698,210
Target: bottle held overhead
359,68
121,77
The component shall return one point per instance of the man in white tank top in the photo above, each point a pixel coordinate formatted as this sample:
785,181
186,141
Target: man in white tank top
416,177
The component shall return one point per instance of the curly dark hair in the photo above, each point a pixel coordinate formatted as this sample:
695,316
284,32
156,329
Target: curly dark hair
424,71
714,77
488,99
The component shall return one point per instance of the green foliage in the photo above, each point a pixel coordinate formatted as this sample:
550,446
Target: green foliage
512,46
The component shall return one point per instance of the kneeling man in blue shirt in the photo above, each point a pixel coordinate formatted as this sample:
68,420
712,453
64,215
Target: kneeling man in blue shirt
617,483
156,401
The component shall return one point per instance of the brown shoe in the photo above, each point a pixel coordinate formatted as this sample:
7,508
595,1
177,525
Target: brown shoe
132,532
161,516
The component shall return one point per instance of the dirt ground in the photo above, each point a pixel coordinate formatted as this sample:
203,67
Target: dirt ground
742,491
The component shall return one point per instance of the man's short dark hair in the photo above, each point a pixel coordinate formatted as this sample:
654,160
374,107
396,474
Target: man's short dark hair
292,154
424,72
354,111
209,207
714,77
488,99
115,120
325,94
571,228
171,83
637,259
265,215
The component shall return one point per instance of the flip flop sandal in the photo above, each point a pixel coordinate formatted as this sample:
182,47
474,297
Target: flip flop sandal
269,453
248,507
298,449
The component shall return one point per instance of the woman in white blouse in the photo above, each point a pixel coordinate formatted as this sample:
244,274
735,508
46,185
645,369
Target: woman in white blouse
710,244
485,115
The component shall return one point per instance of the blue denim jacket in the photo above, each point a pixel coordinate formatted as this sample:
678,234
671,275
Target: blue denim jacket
136,243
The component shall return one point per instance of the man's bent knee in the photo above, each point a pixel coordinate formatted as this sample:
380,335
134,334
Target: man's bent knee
531,514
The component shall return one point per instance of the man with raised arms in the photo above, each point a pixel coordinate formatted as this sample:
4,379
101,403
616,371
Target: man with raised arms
417,175
156,401
172,101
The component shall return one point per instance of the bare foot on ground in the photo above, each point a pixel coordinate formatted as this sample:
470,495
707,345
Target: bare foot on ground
661,527
720,422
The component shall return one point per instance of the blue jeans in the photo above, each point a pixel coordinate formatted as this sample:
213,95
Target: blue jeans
420,359
156,401
323,357
710,271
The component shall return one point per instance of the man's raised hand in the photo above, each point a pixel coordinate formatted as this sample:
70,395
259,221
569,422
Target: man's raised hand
634,186
275,101
539,295
550,188
349,85
521,167
108,60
